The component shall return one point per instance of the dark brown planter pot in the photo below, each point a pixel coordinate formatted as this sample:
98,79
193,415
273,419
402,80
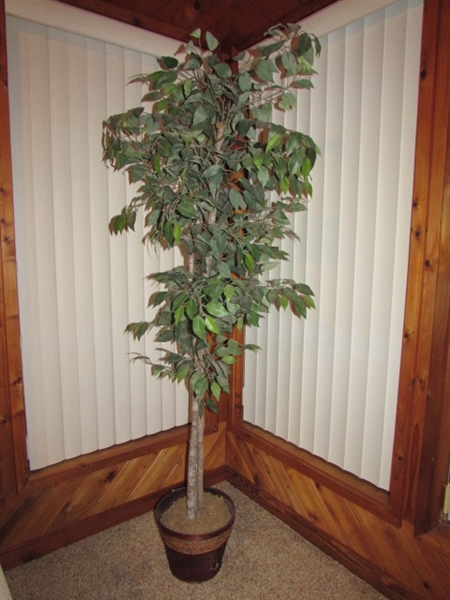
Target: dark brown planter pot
194,557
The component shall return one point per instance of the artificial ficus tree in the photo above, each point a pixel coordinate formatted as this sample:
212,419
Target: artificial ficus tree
218,178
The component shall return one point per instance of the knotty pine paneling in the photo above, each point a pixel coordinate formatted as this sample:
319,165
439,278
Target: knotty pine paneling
58,510
387,556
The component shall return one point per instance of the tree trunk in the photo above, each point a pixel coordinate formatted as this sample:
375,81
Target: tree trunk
194,494
194,498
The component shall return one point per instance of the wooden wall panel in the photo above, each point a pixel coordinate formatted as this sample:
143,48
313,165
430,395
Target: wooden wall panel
389,557
13,459
57,508
420,393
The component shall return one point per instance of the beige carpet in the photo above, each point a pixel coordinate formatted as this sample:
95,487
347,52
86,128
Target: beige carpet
264,560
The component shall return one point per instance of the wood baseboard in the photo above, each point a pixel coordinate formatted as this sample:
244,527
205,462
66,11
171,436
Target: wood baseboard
49,542
337,519
68,502
341,553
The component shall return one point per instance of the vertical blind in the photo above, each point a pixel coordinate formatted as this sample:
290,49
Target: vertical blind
78,287
329,384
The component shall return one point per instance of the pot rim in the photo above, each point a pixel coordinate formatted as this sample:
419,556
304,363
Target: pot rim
179,493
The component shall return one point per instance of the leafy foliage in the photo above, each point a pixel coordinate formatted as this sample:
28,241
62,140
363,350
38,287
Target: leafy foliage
218,178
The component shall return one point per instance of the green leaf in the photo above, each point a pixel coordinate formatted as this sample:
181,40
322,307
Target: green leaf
263,113
214,182
211,324
201,386
169,61
306,167
177,233
284,302
304,43
198,326
216,309
157,369
309,301
272,296
249,262
269,265
284,185
263,176
265,70
289,63
224,270
303,83
288,100
236,199
304,289
245,82
212,170
245,125
229,291
182,372
159,298
223,382
164,148
179,313
300,307
253,319
192,64
223,70
200,115
258,160
293,142
168,233
187,87
166,78
276,134
152,96
228,359
211,41
216,390
187,209
179,300
196,34
191,308
268,49
212,406
296,161
214,289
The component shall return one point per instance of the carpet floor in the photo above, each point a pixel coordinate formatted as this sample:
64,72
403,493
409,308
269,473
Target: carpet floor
264,560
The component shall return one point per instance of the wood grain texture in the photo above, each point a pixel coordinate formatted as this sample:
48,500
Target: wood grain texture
54,512
426,326
13,459
237,24
391,558
435,456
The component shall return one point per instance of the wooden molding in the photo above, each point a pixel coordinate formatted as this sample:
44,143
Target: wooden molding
13,459
425,313
73,532
387,555
322,472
